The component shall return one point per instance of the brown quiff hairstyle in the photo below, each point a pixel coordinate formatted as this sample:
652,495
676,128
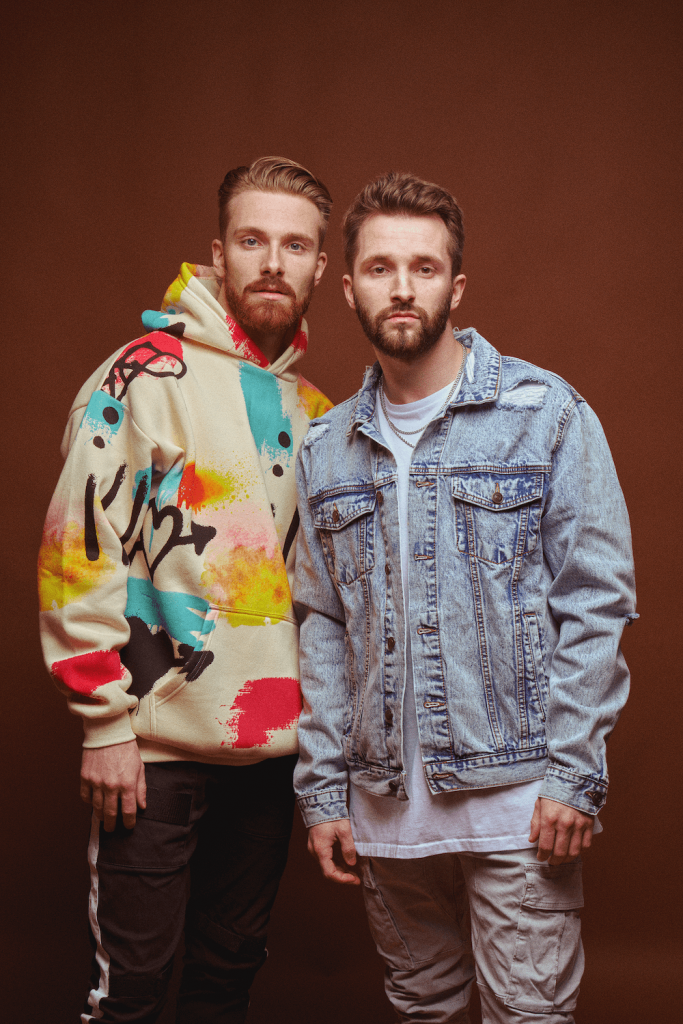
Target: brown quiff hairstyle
273,174
407,195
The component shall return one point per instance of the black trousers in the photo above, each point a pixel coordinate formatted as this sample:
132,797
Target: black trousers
206,855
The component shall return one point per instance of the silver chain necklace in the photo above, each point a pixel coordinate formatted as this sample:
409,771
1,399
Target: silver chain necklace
397,430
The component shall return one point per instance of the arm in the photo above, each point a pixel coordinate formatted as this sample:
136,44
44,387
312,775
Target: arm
94,519
321,776
587,546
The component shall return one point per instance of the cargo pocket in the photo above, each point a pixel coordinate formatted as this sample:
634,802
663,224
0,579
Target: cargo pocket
548,958
388,940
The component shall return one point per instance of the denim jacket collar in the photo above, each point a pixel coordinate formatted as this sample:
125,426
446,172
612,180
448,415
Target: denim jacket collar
482,385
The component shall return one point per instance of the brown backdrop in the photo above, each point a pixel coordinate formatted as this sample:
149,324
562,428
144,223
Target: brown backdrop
557,125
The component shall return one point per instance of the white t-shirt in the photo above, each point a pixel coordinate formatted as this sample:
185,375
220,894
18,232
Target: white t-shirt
481,820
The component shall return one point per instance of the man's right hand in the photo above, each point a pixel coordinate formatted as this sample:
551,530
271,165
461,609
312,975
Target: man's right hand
321,841
108,773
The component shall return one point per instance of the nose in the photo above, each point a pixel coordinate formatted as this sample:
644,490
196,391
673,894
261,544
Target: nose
402,289
271,262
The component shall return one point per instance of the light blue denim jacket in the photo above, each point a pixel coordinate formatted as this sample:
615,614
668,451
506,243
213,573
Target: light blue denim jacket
521,581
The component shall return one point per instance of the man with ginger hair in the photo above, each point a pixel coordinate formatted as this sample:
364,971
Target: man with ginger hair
464,573
166,613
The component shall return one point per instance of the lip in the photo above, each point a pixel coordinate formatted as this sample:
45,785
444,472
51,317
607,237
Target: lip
269,293
403,316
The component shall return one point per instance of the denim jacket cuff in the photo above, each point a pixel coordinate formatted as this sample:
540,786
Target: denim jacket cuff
583,792
321,807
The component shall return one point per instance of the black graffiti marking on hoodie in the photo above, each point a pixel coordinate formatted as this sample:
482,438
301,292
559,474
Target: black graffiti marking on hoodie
128,369
115,487
92,546
291,535
149,656
199,536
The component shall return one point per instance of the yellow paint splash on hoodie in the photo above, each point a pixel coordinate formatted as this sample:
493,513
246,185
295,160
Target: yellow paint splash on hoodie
311,401
248,585
201,487
177,287
65,573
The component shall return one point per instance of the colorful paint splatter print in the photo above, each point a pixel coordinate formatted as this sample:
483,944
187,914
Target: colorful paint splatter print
166,610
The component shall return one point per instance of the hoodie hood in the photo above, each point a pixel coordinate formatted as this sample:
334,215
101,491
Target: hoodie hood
190,309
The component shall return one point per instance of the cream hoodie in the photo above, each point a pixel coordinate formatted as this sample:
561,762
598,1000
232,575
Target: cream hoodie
168,549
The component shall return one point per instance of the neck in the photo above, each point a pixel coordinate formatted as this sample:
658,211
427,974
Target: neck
420,377
272,344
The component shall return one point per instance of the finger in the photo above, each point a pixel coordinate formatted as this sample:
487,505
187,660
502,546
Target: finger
129,807
587,838
575,844
560,847
546,841
86,791
335,874
110,809
98,802
348,848
141,789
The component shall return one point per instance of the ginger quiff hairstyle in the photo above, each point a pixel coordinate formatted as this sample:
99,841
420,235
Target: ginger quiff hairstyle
273,174
407,195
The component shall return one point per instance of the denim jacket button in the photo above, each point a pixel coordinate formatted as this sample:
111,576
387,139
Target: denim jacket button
497,497
335,515
391,643
387,568
388,716
595,798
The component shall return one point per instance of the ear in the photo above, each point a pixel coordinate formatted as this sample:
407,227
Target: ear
320,266
459,283
348,290
218,258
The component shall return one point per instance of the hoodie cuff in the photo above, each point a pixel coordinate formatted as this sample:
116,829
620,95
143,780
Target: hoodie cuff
581,792
105,732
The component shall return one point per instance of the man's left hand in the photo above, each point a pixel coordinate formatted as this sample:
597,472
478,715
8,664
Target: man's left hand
562,832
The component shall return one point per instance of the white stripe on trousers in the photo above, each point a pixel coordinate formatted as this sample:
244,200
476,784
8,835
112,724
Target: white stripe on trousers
101,956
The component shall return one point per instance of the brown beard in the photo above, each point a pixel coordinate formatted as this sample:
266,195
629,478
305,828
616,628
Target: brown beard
262,316
399,343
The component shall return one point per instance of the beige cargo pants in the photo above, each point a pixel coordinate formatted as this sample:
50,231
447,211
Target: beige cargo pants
505,918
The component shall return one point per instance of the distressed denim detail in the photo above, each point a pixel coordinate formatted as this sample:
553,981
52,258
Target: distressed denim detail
521,582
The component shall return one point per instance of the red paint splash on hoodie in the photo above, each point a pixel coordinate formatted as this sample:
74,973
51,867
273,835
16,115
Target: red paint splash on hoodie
262,707
86,672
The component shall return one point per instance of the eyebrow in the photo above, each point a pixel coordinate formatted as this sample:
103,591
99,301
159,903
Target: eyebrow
384,258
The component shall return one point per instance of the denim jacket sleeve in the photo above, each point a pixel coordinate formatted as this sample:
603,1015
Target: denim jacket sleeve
321,777
587,545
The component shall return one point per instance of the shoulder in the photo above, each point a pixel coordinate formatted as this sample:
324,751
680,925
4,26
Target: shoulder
311,399
331,427
523,384
156,355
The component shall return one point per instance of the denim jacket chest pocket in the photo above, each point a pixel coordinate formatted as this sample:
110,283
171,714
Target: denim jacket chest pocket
345,521
498,514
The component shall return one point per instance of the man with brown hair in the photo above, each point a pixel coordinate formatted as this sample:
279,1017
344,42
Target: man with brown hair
166,613
464,573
